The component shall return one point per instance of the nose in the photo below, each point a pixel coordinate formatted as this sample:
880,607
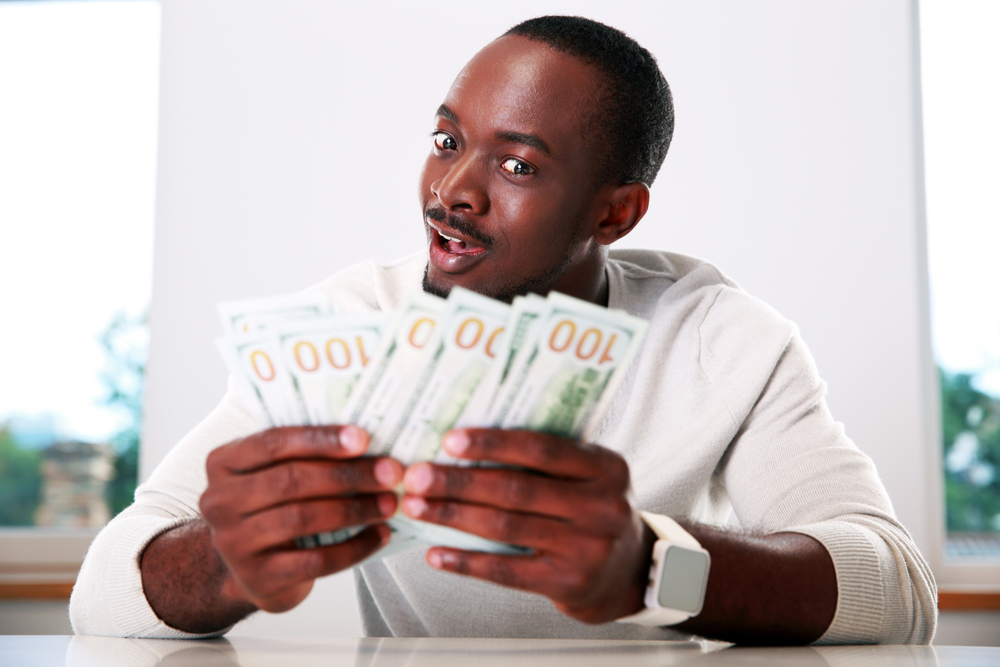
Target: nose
461,186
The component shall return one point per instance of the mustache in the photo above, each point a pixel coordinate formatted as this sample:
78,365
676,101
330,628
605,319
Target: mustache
459,224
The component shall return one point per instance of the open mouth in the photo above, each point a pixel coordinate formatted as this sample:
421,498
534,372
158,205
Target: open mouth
453,244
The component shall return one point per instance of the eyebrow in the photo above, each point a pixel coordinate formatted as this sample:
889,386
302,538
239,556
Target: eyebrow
506,136
447,114
524,139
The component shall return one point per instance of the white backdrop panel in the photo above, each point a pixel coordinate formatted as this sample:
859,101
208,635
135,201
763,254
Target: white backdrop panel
292,134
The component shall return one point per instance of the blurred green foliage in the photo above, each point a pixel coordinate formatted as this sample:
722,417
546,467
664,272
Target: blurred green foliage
125,343
970,421
20,481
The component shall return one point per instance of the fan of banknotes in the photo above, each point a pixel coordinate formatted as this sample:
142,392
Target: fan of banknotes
546,364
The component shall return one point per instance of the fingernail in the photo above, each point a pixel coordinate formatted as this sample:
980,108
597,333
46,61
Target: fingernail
414,506
384,533
456,442
418,478
387,505
386,473
434,558
353,439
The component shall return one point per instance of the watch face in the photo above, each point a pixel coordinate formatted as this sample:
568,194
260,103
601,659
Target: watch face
683,581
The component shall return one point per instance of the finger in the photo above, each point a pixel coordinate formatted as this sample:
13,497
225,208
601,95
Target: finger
284,569
302,480
527,530
506,489
543,452
285,443
277,526
536,574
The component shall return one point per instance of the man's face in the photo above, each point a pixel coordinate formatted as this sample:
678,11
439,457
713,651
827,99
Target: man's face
507,190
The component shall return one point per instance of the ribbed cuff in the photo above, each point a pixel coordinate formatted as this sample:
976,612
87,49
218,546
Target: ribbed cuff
860,599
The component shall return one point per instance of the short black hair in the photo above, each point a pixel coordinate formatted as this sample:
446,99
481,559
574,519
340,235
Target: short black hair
636,118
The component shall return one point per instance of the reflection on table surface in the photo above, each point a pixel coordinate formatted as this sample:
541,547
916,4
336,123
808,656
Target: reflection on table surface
43,651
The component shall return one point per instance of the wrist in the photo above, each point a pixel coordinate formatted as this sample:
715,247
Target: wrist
640,580
677,575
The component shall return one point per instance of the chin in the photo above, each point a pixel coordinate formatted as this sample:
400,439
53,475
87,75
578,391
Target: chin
442,288
540,284
433,288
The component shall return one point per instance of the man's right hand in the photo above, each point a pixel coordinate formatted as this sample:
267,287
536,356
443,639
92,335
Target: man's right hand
264,491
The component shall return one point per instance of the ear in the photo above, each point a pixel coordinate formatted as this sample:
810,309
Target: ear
626,206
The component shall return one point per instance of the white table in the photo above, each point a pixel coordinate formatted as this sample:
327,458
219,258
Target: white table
49,651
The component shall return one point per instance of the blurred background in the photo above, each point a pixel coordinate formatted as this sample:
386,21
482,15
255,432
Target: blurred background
837,159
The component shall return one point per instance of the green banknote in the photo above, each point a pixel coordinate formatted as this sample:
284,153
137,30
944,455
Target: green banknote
248,315
389,378
254,360
472,331
326,357
546,364
524,313
562,381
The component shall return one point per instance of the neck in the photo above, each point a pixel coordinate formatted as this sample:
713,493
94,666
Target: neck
587,279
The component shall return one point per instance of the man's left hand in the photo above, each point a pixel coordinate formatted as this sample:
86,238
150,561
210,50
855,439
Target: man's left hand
569,501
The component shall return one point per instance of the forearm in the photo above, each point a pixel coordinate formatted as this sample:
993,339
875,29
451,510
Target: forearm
776,589
187,584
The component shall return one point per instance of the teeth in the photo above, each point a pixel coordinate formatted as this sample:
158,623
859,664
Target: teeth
445,236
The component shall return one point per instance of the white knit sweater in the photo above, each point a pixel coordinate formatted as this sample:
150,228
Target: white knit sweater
721,411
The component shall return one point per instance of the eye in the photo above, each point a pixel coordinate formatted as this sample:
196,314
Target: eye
517,167
444,141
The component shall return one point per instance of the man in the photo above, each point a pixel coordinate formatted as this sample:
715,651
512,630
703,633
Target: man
543,153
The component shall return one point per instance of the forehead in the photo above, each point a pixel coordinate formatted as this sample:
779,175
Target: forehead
521,85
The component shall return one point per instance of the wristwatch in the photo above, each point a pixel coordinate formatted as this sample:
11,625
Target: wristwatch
678,575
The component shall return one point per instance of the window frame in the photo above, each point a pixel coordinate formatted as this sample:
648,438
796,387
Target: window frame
968,582
41,563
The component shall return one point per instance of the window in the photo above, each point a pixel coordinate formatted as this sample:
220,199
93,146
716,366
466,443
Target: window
960,60
77,165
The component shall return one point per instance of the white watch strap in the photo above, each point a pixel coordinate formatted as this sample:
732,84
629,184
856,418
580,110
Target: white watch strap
667,529
656,618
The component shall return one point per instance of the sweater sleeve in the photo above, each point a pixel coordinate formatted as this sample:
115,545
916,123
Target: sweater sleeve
792,468
108,598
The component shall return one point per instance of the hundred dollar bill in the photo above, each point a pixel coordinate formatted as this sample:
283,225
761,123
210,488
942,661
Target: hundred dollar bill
422,534
254,360
545,364
472,331
325,357
414,349
403,538
389,376
562,381
247,315
410,534
523,313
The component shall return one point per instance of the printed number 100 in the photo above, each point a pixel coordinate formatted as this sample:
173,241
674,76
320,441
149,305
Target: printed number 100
564,338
